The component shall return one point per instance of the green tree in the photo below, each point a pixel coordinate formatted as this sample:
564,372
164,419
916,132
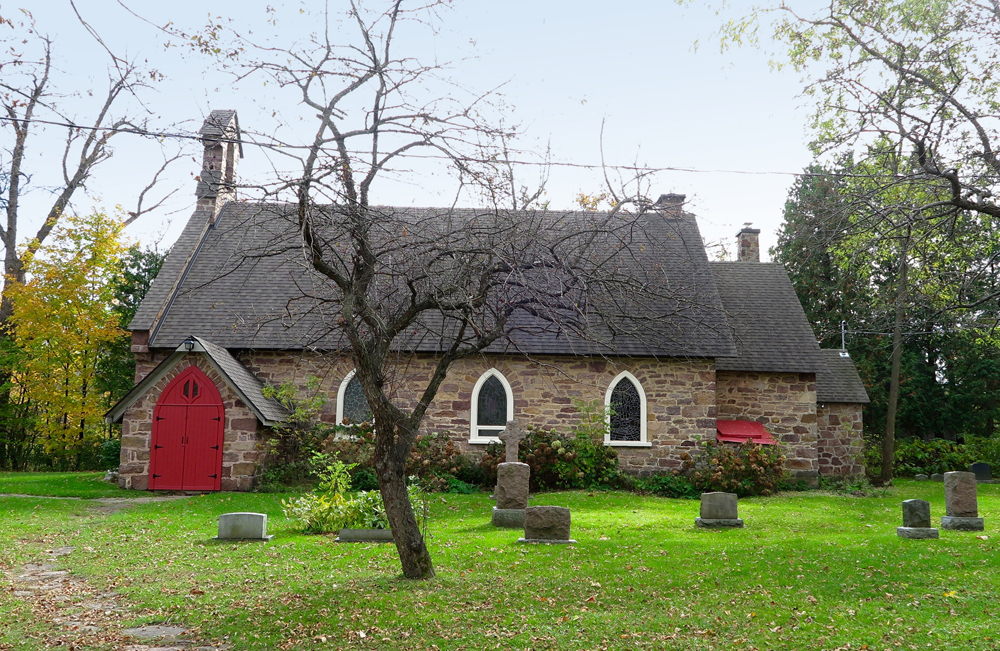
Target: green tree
63,319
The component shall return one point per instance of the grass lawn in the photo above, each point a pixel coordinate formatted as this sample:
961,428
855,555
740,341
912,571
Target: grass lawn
809,571
61,484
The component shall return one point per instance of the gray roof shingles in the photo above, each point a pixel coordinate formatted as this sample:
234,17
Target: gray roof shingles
839,381
247,383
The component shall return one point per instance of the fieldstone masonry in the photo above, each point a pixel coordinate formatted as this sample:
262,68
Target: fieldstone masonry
840,428
916,521
961,504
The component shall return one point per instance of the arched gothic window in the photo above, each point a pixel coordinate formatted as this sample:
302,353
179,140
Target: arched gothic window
626,402
352,406
492,407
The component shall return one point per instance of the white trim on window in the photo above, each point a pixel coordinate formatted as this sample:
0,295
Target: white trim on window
480,434
643,441
340,396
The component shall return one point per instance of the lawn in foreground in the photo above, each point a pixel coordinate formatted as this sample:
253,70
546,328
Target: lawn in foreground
809,571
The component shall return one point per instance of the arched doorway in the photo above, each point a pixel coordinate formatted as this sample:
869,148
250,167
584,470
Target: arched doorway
188,424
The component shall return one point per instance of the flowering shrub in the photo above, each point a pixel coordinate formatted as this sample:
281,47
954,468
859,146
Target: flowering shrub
747,469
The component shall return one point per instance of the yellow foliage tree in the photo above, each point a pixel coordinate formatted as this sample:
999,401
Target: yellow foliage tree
63,319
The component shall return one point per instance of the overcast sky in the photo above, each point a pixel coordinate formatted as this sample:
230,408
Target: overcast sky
564,69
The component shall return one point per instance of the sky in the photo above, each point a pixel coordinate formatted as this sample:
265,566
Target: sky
722,128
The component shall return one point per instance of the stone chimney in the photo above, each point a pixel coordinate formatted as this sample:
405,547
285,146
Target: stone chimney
217,183
667,201
748,244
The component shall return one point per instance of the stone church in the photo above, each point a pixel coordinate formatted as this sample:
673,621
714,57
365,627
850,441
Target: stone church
214,329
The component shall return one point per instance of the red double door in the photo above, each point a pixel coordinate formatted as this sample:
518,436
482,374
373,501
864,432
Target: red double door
188,426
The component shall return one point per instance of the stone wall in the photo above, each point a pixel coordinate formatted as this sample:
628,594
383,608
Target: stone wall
680,395
841,439
785,403
239,450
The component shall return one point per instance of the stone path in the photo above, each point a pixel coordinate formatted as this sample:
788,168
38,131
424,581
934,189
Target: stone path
84,617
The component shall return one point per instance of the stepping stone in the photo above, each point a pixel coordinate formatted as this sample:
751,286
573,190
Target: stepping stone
152,631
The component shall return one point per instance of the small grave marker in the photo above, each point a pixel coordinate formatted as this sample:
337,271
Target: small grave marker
243,526
982,471
916,521
546,524
961,505
719,510
937,477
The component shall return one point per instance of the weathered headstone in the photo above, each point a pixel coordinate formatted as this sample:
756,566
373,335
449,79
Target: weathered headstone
513,477
916,521
982,471
546,524
243,526
512,437
921,477
937,477
961,505
719,510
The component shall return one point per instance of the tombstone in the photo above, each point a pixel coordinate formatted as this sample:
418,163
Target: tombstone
243,526
546,524
916,521
982,471
513,478
719,510
961,505
921,477
937,477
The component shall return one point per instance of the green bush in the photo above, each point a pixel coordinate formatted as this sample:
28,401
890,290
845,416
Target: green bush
986,450
332,507
673,485
110,454
916,456
580,460
746,469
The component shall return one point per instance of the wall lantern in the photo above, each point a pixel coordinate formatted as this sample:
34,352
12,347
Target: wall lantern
189,344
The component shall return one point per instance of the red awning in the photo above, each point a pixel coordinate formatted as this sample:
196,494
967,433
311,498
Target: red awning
738,431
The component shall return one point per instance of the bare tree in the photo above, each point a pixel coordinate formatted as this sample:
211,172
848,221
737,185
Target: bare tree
33,102
453,282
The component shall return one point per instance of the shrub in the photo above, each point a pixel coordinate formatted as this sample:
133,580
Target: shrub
434,459
288,453
331,507
580,460
916,456
984,449
746,469
110,454
673,485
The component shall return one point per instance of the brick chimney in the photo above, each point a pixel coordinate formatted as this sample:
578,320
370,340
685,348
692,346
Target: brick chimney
748,244
220,134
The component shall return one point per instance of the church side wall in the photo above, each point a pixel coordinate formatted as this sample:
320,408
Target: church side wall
239,449
841,439
785,403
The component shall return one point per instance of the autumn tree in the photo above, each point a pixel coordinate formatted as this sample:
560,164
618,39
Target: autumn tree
461,281
63,319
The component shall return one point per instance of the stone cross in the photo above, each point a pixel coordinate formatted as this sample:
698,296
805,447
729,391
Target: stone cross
512,437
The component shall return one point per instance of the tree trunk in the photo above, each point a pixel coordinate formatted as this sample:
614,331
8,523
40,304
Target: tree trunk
390,464
889,440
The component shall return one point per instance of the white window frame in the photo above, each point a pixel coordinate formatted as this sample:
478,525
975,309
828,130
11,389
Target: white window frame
474,436
340,397
643,441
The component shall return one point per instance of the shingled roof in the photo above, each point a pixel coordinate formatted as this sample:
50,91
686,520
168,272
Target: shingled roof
838,380
771,329
243,283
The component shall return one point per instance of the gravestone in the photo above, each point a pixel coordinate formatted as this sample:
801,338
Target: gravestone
982,471
719,510
937,477
546,524
961,505
921,477
513,478
916,521
243,526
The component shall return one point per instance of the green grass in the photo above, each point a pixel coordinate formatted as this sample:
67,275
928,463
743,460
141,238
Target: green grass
87,485
809,571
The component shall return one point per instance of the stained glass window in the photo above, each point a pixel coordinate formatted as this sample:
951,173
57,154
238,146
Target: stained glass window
356,409
626,417
492,405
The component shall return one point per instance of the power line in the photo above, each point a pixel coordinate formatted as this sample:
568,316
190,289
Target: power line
587,166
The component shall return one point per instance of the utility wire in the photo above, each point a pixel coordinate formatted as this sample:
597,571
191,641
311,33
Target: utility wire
588,166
